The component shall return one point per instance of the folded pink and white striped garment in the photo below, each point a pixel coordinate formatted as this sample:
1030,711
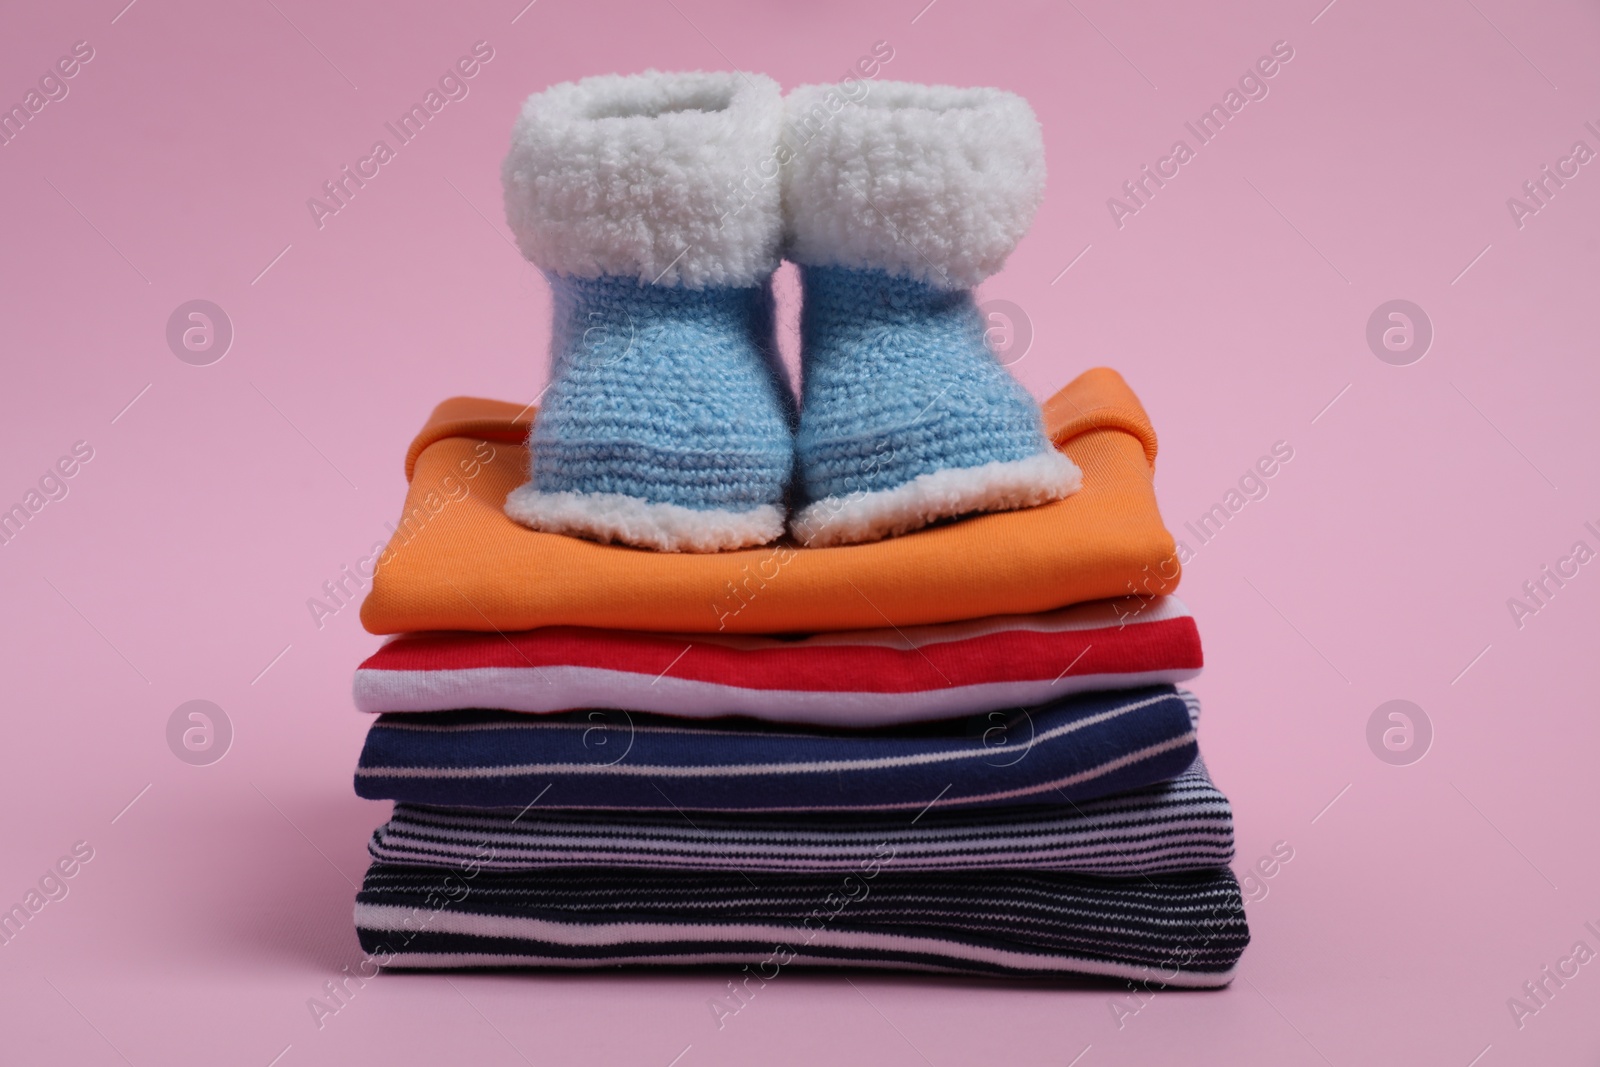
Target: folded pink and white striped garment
859,678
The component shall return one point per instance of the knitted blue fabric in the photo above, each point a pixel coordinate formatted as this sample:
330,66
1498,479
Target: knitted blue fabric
898,383
671,398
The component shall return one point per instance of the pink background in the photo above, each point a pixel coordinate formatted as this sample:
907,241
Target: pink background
1235,302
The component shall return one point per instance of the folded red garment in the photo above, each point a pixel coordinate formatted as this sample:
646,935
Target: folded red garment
857,678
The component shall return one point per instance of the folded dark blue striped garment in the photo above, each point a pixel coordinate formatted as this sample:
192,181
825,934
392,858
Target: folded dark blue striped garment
1185,930
1077,748
1181,825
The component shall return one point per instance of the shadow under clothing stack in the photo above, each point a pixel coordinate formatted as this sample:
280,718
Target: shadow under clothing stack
962,750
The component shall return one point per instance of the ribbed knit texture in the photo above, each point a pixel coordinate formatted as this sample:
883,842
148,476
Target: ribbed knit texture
907,417
1184,930
1184,824
899,382
667,395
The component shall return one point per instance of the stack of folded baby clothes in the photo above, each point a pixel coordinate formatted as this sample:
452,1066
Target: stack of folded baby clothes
688,672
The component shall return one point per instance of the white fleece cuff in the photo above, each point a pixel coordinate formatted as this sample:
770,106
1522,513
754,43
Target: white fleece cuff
1004,485
669,178
927,181
614,518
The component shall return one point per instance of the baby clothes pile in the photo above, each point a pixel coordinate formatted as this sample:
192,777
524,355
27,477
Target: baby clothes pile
690,672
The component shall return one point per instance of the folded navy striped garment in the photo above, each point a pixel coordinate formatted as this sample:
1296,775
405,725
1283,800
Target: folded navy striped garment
1077,748
1185,930
1184,824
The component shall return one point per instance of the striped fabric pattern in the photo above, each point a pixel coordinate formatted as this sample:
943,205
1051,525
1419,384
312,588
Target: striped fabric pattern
1185,930
854,679
1077,748
1179,825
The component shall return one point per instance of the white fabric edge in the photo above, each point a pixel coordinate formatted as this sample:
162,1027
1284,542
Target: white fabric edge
543,690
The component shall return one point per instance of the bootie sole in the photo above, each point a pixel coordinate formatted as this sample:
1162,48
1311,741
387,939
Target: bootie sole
614,518
1000,486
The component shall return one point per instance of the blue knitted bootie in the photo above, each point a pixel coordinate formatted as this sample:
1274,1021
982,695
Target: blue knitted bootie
666,423
907,417
899,199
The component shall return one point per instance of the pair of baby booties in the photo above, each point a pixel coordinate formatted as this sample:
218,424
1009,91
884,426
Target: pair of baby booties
659,205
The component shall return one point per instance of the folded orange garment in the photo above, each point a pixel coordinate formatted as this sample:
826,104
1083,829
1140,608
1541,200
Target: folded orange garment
456,562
